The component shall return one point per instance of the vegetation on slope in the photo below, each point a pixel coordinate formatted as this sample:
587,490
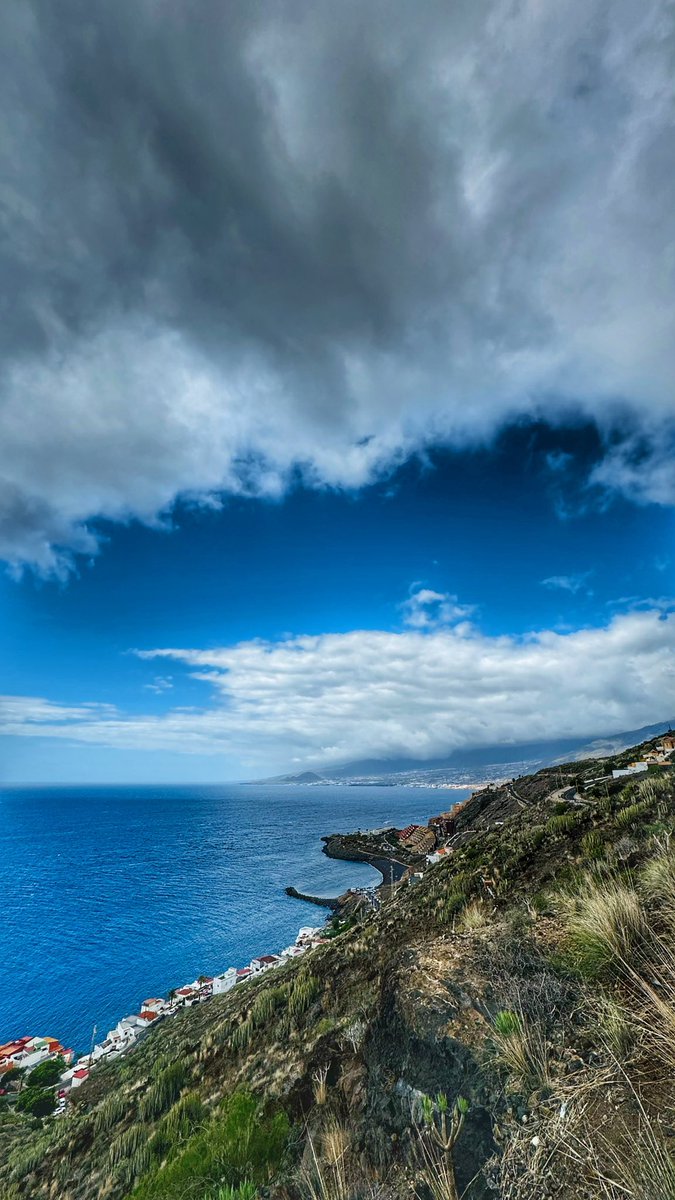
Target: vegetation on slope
506,1026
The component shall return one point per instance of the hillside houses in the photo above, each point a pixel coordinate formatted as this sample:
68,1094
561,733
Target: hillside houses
28,1052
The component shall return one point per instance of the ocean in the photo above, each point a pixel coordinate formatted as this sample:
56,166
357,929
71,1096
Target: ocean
113,894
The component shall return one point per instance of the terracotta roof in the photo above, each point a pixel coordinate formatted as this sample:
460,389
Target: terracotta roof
404,833
81,1074
266,958
153,1000
147,1016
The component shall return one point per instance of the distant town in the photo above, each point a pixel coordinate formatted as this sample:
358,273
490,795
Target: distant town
39,1073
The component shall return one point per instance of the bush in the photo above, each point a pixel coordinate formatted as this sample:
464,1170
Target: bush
48,1073
163,1092
592,845
520,1047
605,922
38,1102
562,823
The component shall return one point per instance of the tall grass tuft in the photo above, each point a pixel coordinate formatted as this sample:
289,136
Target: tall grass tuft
605,925
163,1092
520,1047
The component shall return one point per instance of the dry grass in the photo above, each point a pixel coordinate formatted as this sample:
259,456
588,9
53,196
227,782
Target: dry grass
326,1173
605,923
520,1047
320,1085
474,917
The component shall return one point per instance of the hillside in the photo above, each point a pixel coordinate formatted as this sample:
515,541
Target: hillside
479,762
528,978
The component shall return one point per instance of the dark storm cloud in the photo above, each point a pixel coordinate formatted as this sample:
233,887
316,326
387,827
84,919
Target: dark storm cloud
242,238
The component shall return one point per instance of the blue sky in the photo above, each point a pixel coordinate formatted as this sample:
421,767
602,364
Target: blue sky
497,529
336,402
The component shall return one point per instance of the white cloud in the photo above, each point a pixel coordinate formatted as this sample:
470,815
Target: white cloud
425,609
323,243
161,683
329,698
568,583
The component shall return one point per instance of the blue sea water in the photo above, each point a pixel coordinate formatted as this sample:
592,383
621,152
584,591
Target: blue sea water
112,894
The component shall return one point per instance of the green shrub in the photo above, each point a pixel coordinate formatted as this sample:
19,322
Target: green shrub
592,845
109,1112
626,818
305,990
241,1148
562,823
605,923
36,1102
163,1092
452,905
48,1073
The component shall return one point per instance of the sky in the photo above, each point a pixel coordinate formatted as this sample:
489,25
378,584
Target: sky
336,406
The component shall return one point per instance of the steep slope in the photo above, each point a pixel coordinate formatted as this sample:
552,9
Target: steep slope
529,975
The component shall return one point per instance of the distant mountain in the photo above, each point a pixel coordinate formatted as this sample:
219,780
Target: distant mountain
480,762
303,777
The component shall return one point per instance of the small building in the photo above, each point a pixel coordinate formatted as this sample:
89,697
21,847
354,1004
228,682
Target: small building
264,962
443,825
632,769
155,1004
79,1076
223,983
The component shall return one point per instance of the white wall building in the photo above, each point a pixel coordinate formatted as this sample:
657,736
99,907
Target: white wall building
223,983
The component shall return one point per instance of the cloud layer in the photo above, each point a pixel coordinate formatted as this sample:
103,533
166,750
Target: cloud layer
312,239
319,700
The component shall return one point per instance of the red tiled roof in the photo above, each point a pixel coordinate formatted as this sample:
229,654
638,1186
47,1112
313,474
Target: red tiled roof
243,971
405,833
266,958
153,1000
81,1074
186,991
147,1016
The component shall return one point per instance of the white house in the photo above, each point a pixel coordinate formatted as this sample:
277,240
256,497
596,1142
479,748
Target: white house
631,769
223,983
155,1004
264,962
307,933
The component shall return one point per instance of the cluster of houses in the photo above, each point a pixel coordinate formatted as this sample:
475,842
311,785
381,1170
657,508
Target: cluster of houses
430,839
28,1052
130,1030
658,756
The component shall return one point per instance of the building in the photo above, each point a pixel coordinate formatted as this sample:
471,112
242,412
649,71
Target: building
631,769
264,962
422,840
443,825
29,1052
79,1077
155,1004
223,983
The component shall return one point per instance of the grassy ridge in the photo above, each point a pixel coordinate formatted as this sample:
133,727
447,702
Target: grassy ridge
526,985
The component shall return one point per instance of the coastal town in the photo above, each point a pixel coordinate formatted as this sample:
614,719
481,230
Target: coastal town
20,1058
400,855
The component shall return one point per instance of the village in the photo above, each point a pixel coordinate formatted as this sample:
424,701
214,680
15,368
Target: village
401,856
22,1056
